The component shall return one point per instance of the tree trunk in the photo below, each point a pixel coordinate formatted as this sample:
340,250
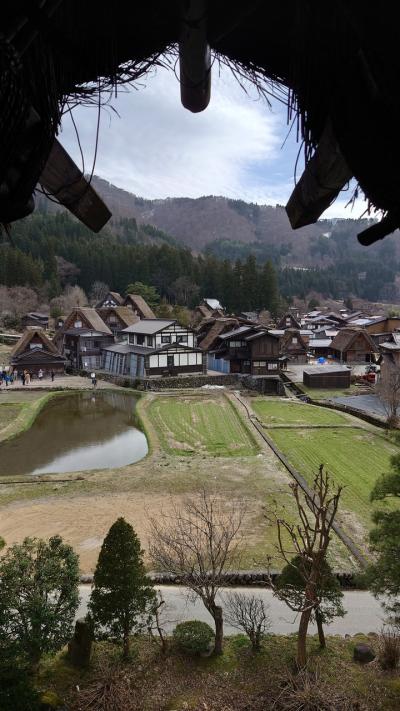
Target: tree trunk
126,651
302,639
321,634
219,629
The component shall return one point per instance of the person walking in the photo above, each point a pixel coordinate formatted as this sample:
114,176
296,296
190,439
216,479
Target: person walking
52,376
27,377
23,377
94,379
40,374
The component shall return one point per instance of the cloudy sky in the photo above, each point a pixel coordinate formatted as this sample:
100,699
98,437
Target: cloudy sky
156,149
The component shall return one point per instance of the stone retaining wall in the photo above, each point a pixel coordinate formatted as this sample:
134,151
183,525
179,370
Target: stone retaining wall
266,386
241,578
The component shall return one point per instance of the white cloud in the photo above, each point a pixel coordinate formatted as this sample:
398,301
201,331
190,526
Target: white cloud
158,149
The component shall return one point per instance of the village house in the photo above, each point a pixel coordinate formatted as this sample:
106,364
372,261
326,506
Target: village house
249,349
155,347
35,351
288,320
353,345
320,347
117,318
294,346
208,308
390,357
34,318
139,306
113,298
82,338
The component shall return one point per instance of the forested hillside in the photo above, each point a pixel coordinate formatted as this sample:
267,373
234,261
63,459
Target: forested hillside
54,249
231,229
51,251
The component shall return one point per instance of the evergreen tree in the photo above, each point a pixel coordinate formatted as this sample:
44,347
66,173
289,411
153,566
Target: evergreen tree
269,288
38,596
384,574
250,284
149,293
122,593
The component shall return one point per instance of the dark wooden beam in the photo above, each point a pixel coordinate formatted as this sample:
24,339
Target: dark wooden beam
194,56
324,177
63,180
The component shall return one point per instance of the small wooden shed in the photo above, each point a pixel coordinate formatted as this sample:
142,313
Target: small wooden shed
327,376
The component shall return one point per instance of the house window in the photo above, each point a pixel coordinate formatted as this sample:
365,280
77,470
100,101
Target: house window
295,340
140,340
272,366
165,339
113,319
287,321
182,339
78,324
259,363
35,345
236,344
150,341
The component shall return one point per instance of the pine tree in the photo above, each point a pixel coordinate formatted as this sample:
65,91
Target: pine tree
122,593
269,288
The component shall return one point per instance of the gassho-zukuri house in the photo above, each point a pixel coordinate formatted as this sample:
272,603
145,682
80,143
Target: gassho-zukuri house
35,351
155,347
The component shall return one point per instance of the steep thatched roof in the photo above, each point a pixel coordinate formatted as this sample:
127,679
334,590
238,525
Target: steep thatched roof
138,303
286,342
346,337
23,344
124,313
90,320
218,326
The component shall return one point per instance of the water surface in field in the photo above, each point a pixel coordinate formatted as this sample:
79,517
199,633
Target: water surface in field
78,431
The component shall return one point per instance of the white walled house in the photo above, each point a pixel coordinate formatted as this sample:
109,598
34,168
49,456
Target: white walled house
155,347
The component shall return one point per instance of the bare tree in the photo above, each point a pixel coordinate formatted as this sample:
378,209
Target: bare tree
98,291
309,541
197,542
388,391
248,613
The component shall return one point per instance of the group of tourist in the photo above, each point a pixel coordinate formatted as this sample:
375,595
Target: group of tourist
8,376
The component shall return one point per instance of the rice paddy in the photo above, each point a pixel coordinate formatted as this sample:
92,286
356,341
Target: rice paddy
201,425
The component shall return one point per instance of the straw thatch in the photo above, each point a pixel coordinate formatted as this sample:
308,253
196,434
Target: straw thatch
23,344
346,337
124,314
139,305
90,321
333,64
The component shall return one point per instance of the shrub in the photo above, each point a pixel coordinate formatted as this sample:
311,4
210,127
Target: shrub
16,690
193,637
389,648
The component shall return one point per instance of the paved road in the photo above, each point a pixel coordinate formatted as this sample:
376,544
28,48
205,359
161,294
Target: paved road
364,613
366,403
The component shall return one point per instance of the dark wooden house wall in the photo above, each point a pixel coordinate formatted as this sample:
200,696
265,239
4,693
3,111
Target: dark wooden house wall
327,380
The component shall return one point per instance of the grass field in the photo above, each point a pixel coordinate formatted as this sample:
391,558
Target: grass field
193,425
354,457
320,394
8,413
280,412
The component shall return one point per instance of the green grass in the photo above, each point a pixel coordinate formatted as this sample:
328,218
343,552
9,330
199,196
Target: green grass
197,425
354,457
8,413
276,412
320,394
